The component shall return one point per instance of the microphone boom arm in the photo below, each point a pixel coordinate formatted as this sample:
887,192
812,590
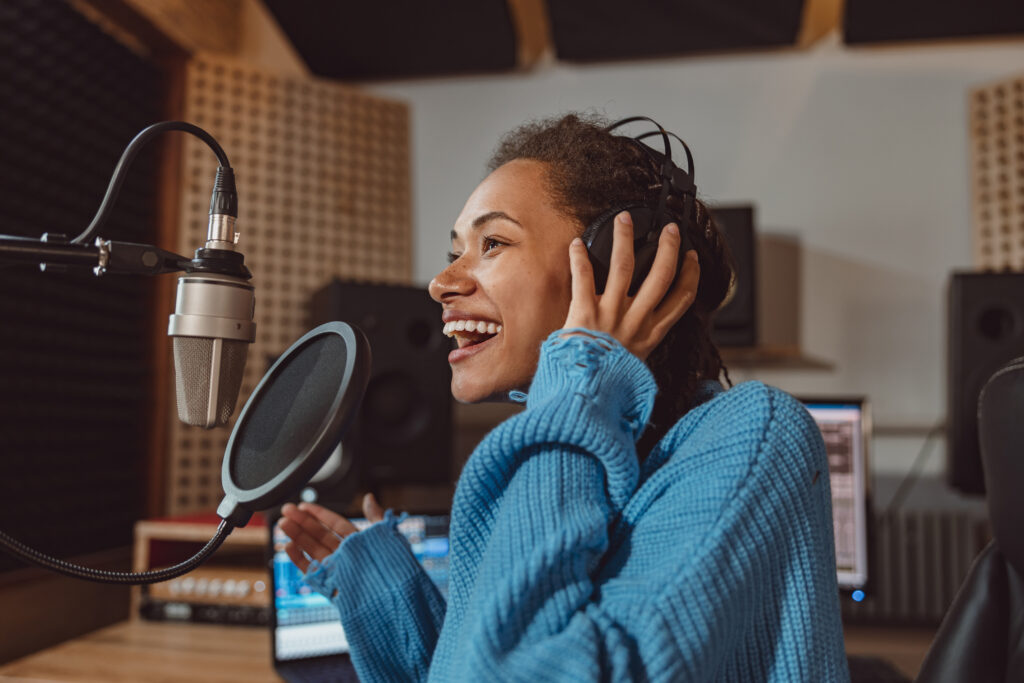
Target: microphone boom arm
105,256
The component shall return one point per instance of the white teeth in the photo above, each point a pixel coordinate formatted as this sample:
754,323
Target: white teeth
478,326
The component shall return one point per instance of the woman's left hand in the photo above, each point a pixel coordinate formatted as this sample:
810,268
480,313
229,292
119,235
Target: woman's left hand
639,322
316,532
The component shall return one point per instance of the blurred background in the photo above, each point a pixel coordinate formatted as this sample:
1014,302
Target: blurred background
862,154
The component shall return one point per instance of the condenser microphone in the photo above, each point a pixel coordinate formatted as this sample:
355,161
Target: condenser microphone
213,320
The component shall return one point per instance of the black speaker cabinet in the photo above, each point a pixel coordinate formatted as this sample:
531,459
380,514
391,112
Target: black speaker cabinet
986,329
735,324
404,430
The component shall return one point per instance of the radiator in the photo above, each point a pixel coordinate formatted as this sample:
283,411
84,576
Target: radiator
918,558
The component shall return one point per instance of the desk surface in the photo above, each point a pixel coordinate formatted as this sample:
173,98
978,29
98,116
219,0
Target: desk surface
156,652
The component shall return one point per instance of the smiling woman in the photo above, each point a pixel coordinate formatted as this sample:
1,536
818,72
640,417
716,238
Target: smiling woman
636,521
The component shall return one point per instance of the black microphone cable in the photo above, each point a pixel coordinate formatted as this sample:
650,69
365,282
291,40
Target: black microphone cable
225,199
121,170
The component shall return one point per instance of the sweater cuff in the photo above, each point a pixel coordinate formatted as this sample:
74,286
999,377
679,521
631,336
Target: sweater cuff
365,565
595,366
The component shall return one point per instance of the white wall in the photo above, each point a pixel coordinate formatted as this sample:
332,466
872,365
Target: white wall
862,153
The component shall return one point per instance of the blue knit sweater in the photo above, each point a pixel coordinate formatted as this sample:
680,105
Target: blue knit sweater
571,561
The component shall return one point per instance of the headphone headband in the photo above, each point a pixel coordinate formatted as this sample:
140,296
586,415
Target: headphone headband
671,174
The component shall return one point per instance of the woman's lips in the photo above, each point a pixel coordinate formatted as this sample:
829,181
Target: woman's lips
457,355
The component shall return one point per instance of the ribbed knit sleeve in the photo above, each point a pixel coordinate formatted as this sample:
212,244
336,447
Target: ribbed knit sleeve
530,520
390,609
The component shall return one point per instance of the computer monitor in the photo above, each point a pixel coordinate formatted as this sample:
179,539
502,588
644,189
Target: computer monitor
845,424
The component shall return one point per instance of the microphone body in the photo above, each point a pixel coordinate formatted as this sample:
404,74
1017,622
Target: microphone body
212,327
212,324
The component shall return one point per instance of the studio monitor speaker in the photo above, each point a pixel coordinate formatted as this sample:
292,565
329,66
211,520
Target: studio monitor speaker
986,329
735,323
403,433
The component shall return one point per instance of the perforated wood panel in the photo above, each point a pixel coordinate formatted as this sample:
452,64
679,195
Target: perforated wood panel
323,185
997,164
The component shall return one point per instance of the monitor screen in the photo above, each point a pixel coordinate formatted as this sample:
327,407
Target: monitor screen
306,623
846,429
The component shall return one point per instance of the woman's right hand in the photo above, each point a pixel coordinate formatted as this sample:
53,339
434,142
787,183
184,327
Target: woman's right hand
638,322
316,532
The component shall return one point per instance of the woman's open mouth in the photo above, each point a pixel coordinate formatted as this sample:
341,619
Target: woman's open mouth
472,336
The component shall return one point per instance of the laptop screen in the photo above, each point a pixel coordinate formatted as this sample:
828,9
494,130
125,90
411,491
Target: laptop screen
307,625
845,426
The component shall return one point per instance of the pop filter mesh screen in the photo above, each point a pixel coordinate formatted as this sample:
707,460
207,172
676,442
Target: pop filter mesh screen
289,411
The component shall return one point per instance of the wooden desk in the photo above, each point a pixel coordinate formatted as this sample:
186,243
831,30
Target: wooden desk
153,652
156,652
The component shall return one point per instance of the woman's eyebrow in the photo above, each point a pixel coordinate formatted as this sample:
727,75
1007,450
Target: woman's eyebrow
493,215
485,218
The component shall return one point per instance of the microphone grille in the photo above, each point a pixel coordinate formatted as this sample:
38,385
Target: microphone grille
193,359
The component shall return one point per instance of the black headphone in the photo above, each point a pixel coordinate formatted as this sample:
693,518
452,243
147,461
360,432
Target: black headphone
648,220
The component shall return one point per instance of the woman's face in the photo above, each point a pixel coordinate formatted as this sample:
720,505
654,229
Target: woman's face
508,283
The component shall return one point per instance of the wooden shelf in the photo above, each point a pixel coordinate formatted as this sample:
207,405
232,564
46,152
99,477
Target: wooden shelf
772,358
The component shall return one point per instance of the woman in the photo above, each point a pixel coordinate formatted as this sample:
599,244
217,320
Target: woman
635,521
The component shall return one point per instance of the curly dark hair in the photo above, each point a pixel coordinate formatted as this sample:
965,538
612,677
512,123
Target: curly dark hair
591,170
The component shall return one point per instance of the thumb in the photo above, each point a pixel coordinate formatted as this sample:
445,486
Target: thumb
372,509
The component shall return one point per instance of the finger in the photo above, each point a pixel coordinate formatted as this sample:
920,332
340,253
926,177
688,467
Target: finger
296,556
312,545
659,279
331,520
682,296
371,509
581,308
620,268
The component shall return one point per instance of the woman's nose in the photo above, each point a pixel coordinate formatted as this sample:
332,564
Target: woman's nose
452,281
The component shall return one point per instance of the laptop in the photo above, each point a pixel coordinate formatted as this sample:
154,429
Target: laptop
308,643
845,424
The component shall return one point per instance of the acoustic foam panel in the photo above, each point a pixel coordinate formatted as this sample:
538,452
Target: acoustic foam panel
323,192
997,174
75,349
593,30
881,21
400,38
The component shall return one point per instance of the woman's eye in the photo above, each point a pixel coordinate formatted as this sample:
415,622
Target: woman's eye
491,243
452,257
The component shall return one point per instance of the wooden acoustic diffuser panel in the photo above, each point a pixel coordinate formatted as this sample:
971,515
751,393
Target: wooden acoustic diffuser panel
323,192
997,165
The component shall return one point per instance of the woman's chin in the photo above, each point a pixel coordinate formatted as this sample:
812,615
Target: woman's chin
464,394
464,390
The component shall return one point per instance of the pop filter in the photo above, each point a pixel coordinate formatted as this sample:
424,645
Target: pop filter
294,420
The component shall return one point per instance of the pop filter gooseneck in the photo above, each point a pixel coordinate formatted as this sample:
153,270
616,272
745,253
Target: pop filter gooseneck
288,428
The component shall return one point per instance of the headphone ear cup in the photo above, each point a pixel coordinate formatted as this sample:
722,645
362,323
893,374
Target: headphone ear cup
598,238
